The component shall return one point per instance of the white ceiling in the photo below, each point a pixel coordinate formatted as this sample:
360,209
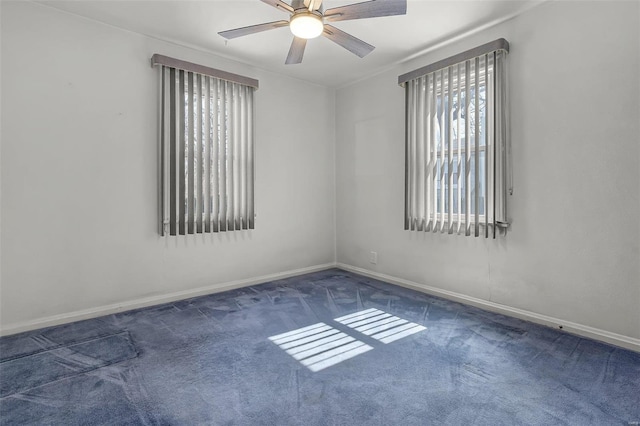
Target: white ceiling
196,24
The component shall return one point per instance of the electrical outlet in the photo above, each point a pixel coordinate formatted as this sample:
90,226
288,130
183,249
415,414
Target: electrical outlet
373,257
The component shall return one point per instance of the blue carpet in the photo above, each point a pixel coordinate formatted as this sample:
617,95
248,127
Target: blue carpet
329,348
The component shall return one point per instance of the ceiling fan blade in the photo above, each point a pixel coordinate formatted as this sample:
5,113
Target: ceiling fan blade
367,9
349,42
279,4
239,32
296,52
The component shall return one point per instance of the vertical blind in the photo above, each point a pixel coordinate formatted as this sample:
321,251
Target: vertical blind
207,153
456,164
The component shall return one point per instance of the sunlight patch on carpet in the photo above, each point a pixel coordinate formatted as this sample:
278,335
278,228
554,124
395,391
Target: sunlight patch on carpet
380,325
319,346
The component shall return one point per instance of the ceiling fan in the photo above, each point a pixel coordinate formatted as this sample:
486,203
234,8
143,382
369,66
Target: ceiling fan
308,19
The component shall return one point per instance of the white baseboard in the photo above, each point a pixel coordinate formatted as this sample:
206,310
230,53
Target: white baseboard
84,314
567,326
570,327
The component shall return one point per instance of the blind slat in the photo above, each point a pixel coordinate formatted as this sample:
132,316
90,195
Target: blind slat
503,172
407,156
250,161
459,151
421,159
415,166
166,151
434,147
236,141
429,151
199,207
467,145
476,139
215,153
244,159
181,176
222,157
206,158
450,151
442,155
190,157
173,163
487,153
231,129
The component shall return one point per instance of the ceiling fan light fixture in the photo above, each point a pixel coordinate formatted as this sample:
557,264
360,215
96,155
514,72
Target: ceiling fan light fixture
306,25
307,21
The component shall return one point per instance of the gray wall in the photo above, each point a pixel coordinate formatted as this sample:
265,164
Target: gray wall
573,251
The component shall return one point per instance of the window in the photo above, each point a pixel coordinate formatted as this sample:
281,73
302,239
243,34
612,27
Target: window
207,151
456,176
